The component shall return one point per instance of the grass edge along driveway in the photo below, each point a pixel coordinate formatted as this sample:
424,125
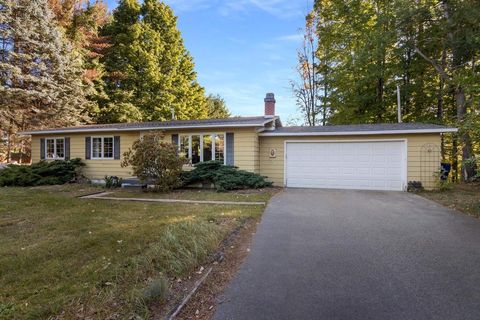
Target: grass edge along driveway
76,258
464,197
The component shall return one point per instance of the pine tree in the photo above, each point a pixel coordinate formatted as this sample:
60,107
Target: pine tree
41,75
148,70
81,21
217,108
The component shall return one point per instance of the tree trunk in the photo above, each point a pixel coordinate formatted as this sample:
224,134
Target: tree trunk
440,100
325,95
468,169
9,143
441,87
454,158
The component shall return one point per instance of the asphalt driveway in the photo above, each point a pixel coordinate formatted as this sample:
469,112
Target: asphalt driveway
337,254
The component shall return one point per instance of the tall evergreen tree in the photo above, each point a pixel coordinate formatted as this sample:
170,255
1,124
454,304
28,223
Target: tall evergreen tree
40,73
81,21
149,72
217,107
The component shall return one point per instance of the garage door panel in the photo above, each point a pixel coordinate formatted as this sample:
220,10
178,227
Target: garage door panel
346,165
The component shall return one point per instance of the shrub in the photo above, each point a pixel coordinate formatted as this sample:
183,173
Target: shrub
224,177
41,173
113,182
415,186
155,160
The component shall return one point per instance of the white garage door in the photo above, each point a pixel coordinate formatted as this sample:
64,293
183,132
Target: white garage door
346,165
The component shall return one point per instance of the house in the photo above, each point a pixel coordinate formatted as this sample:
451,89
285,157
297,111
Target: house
372,157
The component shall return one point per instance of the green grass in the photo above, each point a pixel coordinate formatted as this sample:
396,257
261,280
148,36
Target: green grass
78,258
463,197
200,194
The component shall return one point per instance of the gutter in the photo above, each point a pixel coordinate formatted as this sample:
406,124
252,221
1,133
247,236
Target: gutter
354,133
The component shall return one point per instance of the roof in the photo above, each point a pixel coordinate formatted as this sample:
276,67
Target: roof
360,129
258,121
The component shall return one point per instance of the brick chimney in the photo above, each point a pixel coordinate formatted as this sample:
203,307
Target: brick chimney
270,104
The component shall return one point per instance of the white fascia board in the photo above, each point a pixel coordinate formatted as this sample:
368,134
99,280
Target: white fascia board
354,133
86,130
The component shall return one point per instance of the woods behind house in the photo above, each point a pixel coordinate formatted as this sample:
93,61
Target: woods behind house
355,53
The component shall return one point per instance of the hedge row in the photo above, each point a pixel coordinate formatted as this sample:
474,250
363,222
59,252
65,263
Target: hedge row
41,173
223,177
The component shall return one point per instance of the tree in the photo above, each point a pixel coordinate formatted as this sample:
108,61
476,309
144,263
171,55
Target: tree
307,89
148,69
40,73
460,28
81,21
430,48
152,158
217,108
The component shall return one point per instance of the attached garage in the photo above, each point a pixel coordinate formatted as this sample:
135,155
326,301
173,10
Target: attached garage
369,165
364,157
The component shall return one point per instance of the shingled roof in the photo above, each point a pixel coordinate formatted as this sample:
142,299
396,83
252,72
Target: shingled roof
259,121
355,129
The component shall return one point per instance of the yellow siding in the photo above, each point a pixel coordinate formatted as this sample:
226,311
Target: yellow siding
246,150
94,169
251,152
418,168
246,145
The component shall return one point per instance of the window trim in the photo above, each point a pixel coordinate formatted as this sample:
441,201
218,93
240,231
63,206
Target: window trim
54,148
102,150
201,134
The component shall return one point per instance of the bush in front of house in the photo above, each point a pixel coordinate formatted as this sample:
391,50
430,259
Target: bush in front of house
41,173
157,161
112,182
224,177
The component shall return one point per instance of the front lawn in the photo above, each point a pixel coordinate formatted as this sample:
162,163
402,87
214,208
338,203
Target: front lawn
261,195
462,197
77,258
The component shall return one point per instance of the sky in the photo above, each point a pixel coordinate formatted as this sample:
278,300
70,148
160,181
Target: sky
243,49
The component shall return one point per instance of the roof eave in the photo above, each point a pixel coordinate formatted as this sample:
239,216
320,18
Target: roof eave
354,133
80,130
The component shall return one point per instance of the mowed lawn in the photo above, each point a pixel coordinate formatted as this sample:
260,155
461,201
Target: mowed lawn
61,256
261,195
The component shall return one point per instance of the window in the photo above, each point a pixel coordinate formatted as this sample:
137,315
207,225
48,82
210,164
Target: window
220,147
55,148
108,147
195,146
102,148
203,147
185,146
207,148
96,147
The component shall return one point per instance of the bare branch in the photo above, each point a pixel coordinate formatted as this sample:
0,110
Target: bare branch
437,67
